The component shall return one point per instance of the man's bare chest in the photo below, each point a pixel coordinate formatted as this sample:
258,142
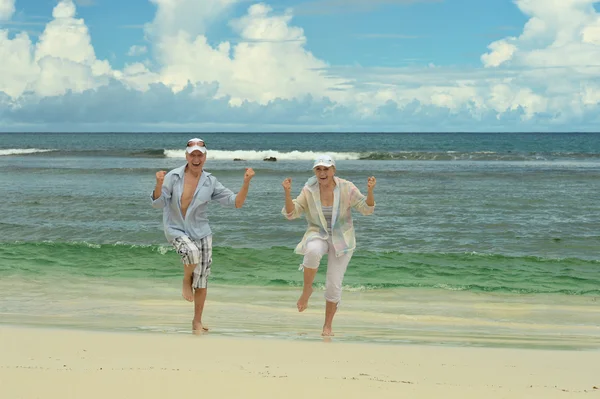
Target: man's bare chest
189,188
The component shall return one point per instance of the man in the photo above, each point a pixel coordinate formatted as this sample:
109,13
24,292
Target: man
184,194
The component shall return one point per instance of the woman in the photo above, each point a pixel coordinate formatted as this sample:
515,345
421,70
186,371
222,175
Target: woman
327,202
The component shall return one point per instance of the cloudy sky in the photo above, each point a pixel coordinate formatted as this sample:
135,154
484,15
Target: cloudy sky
299,65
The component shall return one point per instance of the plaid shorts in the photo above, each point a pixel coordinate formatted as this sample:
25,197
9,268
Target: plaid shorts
196,252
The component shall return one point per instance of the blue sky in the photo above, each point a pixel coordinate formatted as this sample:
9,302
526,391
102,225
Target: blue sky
332,65
389,34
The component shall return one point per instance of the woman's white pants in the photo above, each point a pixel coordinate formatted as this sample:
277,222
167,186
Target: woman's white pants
336,266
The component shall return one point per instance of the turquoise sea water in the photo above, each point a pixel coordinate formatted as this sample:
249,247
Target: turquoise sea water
480,239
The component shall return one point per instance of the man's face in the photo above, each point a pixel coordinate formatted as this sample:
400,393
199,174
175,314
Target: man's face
196,160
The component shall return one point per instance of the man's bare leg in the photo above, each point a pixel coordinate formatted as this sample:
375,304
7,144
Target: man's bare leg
309,277
199,299
330,309
187,292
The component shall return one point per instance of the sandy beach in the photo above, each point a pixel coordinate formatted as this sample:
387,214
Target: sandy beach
50,363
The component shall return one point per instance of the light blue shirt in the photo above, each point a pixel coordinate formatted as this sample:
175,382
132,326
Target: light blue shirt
195,224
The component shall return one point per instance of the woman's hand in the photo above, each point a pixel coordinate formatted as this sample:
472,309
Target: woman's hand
371,182
287,184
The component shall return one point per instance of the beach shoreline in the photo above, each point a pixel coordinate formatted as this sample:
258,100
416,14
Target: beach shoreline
72,364
394,317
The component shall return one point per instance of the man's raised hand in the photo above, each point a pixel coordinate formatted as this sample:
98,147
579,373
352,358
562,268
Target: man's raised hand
160,177
249,174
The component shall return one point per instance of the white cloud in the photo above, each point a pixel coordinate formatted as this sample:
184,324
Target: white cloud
501,51
504,97
190,16
63,58
7,9
135,50
17,68
116,107
137,76
553,61
559,33
543,78
591,33
269,62
66,37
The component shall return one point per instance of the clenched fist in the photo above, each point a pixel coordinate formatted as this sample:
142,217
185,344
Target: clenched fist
371,182
248,175
160,177
287,184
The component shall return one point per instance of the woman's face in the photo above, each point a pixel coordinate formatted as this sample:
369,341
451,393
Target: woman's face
324,174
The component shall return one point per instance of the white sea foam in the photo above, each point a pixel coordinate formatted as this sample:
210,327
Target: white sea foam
21,151
260,155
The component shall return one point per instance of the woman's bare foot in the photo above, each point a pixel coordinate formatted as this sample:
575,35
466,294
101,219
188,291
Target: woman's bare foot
187,292
198,328
303,301
327,332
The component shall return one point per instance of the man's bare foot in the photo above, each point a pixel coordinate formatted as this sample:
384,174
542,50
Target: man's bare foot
303,301
197,327
187,292
327,332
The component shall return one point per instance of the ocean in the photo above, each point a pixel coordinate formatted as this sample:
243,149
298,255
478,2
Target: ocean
477,239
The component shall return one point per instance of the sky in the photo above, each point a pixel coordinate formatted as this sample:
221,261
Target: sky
300,65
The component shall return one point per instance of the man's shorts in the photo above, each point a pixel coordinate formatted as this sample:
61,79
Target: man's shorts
196,252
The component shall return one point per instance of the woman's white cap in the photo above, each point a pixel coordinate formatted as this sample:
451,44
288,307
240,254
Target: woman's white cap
324,160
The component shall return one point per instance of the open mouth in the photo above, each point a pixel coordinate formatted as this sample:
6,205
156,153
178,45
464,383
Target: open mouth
196,164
